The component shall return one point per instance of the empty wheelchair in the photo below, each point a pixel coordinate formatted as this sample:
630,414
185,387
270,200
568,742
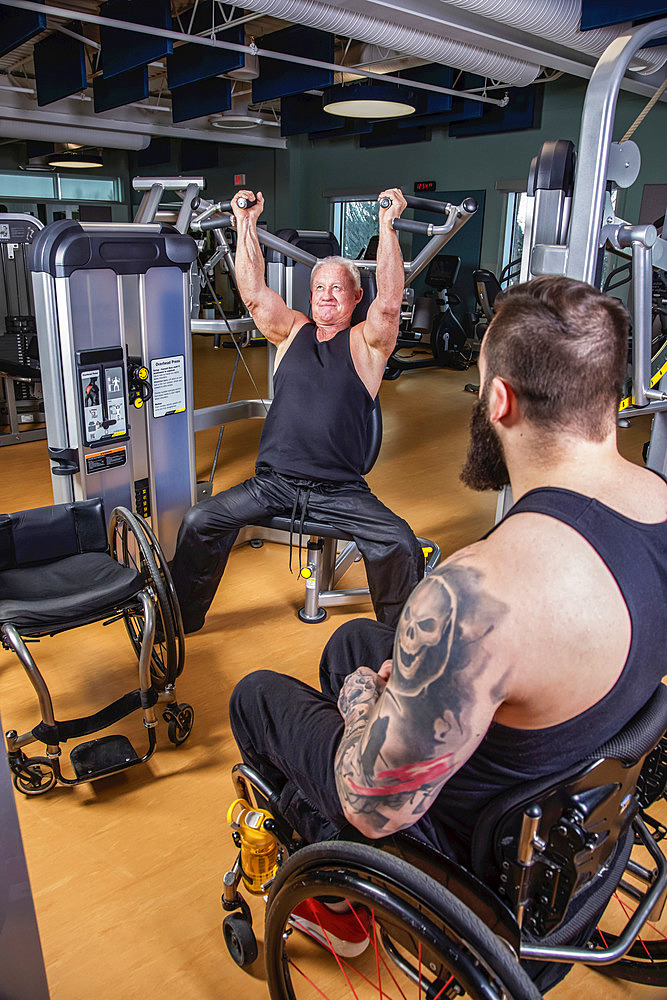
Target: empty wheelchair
546,861
59,571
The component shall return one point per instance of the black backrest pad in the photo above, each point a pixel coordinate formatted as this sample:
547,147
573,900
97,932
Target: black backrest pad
612,768
373,436
44,534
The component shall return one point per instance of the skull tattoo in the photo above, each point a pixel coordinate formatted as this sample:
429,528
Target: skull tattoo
425,636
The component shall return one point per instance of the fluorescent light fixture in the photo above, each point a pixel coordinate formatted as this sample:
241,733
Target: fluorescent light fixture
76,159
236,120
368,100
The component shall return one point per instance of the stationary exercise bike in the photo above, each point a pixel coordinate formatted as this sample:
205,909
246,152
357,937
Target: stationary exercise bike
429,324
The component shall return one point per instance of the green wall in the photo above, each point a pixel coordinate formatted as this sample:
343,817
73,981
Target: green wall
466,163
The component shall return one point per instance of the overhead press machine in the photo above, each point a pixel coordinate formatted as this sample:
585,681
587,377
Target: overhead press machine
112,305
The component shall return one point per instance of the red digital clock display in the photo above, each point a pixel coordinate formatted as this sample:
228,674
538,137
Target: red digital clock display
422,186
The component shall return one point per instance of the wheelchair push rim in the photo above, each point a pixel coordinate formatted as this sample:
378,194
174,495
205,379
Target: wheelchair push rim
423,941
131,546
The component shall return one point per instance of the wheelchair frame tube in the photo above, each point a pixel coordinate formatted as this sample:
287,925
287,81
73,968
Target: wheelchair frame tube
625,940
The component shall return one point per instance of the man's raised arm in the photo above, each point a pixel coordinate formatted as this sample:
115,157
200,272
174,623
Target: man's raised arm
383,317
272,317
403,740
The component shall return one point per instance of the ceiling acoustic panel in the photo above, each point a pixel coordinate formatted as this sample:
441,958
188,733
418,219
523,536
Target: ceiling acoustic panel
121,89
192,63
523,111
278,78
195,100
17,27
123,49
60,65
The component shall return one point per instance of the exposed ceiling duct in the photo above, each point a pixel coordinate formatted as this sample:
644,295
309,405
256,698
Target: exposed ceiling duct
12,128
411,41
559,20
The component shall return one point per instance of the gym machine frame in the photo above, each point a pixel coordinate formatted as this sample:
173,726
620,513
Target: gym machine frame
113,325
567,231
17,231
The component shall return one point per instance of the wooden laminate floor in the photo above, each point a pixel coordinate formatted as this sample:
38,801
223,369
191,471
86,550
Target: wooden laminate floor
126,872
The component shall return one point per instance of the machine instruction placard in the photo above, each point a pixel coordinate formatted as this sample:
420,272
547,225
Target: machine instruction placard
168,380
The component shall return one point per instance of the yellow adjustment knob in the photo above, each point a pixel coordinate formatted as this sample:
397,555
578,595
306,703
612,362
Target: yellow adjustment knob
138,402
142,373
427,549
306,572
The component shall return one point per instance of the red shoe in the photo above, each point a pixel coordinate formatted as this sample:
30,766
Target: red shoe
347,933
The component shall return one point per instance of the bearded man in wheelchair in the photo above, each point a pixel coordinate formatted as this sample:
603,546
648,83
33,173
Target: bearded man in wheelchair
491,746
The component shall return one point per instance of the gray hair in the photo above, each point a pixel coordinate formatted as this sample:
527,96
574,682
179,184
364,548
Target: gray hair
349,266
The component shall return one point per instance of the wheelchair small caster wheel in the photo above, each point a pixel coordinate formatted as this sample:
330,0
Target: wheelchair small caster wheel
179,723
314,620
240,939
34,779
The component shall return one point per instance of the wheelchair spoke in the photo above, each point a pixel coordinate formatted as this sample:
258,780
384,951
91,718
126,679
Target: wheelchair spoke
419,940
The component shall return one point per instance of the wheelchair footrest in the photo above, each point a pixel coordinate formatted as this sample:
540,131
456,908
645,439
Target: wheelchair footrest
103,756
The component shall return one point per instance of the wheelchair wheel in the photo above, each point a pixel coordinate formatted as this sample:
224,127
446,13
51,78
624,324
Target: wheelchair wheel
171,593
130,546
646,961
423,942
33,776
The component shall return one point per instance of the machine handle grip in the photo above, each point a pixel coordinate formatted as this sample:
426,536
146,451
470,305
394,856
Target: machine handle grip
67,459
412,226
226,206
219,222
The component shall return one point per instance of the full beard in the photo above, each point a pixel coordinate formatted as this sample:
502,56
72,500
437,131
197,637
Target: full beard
484,467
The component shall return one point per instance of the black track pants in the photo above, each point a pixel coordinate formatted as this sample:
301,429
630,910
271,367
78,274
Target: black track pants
391,552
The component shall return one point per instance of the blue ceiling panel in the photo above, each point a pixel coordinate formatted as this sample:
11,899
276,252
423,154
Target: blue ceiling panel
458,109
123,50
206,97
600,13
60,66
280,79
191,63
303,113
17,27
524,111
157,152
387,134
124,88
438,76
197,155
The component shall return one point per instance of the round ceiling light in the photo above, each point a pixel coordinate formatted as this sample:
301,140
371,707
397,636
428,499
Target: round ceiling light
236,120
364,100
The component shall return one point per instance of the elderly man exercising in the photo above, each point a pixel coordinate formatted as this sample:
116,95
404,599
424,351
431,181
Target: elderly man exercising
313,445
522,652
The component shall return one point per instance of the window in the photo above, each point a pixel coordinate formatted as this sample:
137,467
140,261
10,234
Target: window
89,188
27,185
515,224
60,187
354,222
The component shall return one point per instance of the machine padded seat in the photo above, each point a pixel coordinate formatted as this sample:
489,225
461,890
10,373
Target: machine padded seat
281,522
77,588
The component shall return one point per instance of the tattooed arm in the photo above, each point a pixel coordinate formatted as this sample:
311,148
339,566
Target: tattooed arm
405,738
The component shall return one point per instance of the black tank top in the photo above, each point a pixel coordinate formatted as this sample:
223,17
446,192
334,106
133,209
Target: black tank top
316,425
636,555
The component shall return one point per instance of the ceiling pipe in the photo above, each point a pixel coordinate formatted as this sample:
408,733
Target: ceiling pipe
559,21
410,41
11,128
180,36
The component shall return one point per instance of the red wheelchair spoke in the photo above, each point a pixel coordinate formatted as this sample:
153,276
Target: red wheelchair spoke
628,911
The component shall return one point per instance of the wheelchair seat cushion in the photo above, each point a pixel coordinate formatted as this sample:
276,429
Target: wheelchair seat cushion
79,588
